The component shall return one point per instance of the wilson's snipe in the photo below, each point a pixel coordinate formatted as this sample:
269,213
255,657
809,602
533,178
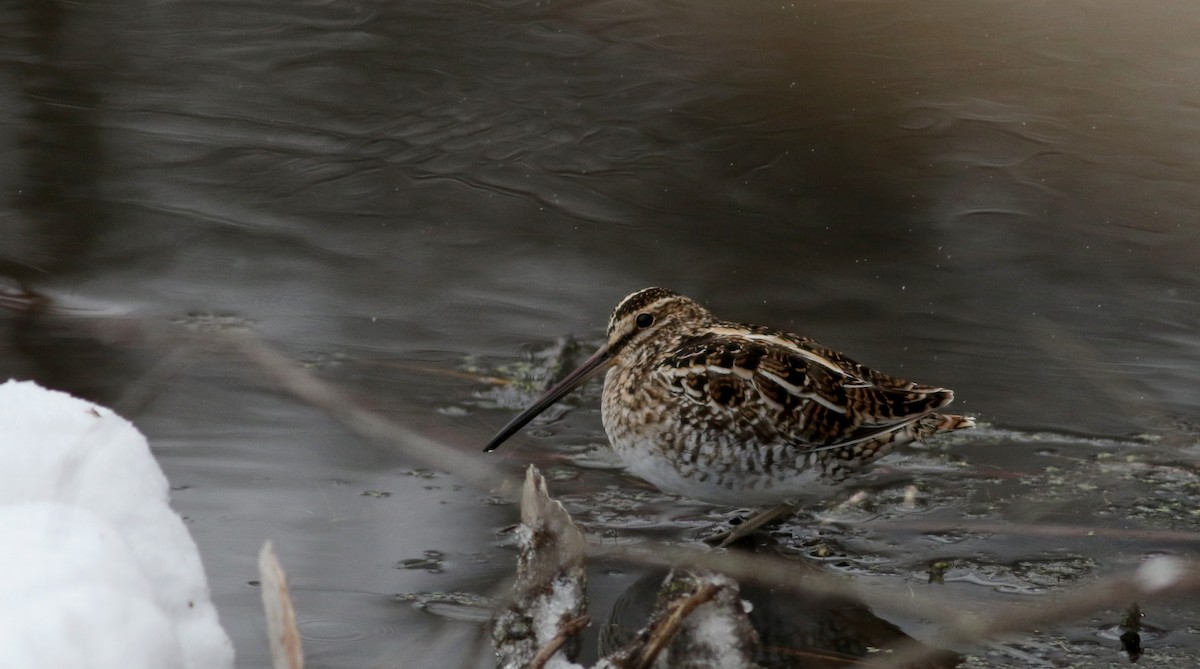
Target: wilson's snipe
740,414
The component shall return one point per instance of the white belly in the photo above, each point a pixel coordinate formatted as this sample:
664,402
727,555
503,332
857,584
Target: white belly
731,488
712,475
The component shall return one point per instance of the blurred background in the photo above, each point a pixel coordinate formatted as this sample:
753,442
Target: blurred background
411,197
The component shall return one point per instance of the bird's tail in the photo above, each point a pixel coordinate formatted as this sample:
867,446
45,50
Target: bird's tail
936,423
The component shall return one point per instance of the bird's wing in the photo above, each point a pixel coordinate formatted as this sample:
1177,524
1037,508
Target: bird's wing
779,387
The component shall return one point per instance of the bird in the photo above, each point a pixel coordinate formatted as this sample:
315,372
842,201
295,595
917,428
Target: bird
740,415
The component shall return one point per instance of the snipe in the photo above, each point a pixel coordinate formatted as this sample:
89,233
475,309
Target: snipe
740,414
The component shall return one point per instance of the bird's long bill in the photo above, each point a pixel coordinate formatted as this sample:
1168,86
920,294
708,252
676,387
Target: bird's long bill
592,365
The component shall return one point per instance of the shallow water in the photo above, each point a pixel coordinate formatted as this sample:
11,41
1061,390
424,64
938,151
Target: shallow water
408,196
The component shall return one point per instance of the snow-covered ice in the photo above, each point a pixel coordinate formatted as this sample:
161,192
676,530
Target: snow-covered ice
96,569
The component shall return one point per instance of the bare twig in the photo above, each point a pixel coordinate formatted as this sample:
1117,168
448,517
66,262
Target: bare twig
751,525
959,626
447,373
304,385
664,632
1158,579
286,651
1039,530
568,630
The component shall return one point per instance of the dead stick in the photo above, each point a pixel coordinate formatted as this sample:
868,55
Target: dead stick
665,632
1034,530
568,630
325,396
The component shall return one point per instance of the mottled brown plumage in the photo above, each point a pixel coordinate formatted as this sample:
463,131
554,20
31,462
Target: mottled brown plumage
740,414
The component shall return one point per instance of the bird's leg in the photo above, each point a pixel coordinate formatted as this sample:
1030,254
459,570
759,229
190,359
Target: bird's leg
750,525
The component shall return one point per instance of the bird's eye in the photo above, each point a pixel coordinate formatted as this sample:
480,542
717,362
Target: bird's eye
645,320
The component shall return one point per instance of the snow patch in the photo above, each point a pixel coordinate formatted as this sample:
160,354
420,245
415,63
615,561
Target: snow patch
97,570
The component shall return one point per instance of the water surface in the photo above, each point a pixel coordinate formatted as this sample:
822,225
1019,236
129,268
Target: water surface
408,196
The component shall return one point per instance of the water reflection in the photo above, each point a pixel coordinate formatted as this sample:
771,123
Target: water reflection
795,630
57,149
